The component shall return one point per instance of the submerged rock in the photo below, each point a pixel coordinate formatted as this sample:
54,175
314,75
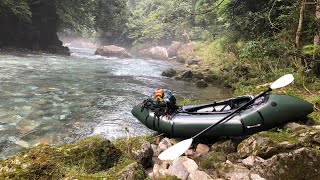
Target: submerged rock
169,73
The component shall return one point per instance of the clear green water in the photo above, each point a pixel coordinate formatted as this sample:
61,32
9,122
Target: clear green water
59,99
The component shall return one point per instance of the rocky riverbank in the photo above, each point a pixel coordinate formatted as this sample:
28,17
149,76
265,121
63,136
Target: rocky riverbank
292,152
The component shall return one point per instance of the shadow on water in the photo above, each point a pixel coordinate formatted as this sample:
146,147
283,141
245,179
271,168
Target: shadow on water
58,99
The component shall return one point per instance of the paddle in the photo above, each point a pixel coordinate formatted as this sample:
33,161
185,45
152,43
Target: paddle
178,149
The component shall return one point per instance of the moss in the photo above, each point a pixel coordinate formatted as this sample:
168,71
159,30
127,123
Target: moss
92,154
41,162
129,145
267,144
88,156
210,160
304,165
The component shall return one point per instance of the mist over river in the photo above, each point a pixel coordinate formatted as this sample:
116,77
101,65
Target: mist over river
59,99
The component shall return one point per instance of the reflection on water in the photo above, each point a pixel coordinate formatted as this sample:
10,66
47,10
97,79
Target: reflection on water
57,99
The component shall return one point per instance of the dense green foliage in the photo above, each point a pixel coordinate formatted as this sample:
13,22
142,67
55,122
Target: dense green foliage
103,18
19,8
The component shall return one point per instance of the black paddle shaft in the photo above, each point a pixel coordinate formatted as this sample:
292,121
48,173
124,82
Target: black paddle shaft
231,114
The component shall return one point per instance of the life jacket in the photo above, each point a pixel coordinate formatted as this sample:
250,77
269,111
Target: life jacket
162,102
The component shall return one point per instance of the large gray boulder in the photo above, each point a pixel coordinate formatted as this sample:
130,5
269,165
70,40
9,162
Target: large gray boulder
266,144
155,52
142,152
303,163
112,51
173,49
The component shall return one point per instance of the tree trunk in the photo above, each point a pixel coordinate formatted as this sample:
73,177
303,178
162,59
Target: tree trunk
316,35
298,33
317,30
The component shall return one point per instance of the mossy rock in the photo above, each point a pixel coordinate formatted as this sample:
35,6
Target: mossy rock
92,154
41,162
210,160
225,146
303,163
89,156
169,73
138,148
266,144
201,84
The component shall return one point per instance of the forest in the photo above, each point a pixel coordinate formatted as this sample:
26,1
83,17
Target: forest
237,39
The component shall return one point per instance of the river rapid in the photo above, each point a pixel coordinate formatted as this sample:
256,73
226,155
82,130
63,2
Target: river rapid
56,99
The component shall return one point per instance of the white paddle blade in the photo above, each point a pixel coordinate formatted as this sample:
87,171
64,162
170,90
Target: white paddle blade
176,150
282,81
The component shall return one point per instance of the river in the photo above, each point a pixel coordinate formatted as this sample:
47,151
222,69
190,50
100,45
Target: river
56,99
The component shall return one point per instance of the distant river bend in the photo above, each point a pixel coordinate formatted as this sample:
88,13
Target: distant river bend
59,99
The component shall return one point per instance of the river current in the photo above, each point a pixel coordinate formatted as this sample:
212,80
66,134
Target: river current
56,99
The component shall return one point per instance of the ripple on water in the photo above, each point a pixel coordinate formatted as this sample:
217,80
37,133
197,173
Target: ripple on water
58,99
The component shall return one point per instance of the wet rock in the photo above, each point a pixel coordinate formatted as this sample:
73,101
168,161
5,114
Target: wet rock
131,172
173,49
187,75
202,149
196,175
201,84
211,78
112,51
303,163
252,161
225,146
169,73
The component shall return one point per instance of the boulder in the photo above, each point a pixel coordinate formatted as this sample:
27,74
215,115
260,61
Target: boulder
112,51
196,175
185,51
225,146
164,144
233,171
169,73
178,169
201,84
266,144
173,49
211,160
131,172
187,75
142,152
189,164
156,52
252,161
303,163
202,149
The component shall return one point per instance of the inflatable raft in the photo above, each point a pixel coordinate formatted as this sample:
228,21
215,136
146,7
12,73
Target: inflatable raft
267,112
